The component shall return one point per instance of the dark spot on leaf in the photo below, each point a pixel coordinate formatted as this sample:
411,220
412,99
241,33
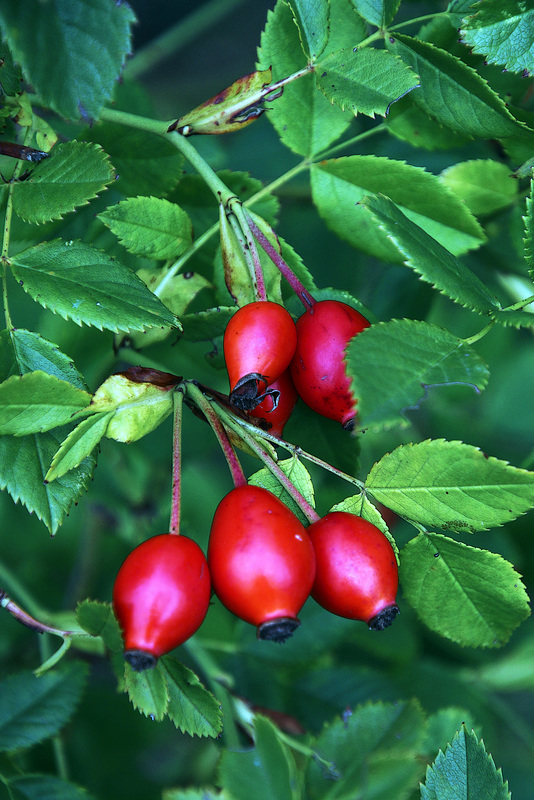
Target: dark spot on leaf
188,275
436,555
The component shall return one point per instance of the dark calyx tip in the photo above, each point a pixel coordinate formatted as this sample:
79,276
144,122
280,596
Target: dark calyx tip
384,618
139,660
278,630
246,394
349,425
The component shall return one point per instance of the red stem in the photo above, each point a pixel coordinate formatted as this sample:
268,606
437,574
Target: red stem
174,526
298,287
309,512
236,470
27,620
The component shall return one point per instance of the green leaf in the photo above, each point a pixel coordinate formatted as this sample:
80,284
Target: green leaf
393,364
55,44
205,793
377,12
73,174
265,773
78,445
203,326
442,726
191,707
98,620
371,752
429,258
317,122
411,124
175,292
146,164
484,185
147,691
451,486
23,462
34,709
452,92
138,407
36,402
471,596
502,33
84,284
10,73
340,185
23,466
466,770
366,81
528,241
297,474
150,227
24,351
312,18
33,786
235,267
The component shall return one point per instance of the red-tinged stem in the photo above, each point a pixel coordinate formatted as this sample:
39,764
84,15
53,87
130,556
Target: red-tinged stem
302,293
174,526
308,510
202,403
30,622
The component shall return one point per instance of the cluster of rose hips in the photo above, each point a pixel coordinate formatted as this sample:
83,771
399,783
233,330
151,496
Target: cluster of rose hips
262,562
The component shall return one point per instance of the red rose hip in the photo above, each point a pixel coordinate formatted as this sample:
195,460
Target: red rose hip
318,366
261,561
356,569
160,597
259,343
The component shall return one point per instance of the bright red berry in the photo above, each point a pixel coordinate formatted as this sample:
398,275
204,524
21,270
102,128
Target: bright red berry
259,342
261,561
318,366
277,405
160,597
357,574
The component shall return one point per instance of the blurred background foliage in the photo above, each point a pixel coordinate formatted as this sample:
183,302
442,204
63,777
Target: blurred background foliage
331,664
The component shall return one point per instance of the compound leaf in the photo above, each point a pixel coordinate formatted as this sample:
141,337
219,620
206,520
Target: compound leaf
450,485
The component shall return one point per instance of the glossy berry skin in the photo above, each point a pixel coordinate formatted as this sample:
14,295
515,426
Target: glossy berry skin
318,366
276,415
357,574
261,561
160,597
259,343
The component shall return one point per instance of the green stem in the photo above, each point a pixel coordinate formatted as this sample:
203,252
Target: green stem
185,31
230,421
174,526
298,452
381,128
480,334
520,304
202,402
417,20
